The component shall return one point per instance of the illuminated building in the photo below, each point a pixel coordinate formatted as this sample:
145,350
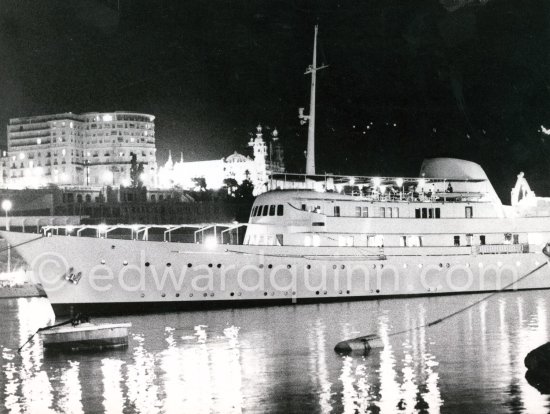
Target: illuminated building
91,149
267,158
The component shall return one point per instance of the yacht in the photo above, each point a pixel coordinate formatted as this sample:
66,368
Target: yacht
311,237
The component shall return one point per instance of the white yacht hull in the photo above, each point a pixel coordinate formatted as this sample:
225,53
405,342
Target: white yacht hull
97,275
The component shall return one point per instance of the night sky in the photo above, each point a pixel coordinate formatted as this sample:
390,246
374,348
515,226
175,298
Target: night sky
469,82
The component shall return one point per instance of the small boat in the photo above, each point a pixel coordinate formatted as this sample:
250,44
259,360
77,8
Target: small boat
86,336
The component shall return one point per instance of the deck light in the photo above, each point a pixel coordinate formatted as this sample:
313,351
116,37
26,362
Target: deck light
376,181
6,206
399,182
210,242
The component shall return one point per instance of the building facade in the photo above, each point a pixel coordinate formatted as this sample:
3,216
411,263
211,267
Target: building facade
267,158
90,149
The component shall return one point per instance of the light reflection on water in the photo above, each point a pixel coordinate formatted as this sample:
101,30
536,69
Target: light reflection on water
281,359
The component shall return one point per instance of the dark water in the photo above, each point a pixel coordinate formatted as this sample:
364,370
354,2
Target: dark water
281,359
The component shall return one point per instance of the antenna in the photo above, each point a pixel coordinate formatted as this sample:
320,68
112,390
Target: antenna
312,69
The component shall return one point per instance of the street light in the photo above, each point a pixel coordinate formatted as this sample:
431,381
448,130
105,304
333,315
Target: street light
6,206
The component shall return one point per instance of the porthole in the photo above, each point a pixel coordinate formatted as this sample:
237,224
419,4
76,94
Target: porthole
177,295
240,294
381,266
308,267
163,295
374,266
343,266
340,292
219,265
325,292
288,266
189,264
147,264
142,295
348,292
286,293
168,264
448,265
212,294
270,266
265,293
440,264
272,293
190,295
125,263
205,294
377,290
294,293
112,246
232,294
261,266
317,292
209,264
334,266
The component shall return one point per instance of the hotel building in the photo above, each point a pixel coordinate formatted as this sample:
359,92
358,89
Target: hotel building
90,149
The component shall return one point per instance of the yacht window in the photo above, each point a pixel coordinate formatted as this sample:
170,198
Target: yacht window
265,210
254,211
396,212
417,212
469,238
424,213
280,210
361,211
482,239
437,212
516,238
272,210
413,241
382,212
389,212
304,207
403,241
507,238
457,240
279,239
336,211
469,212
345,241
431,213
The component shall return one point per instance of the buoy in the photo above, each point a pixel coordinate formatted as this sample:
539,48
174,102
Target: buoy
359,346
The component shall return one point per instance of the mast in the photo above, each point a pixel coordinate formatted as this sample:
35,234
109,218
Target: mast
310,154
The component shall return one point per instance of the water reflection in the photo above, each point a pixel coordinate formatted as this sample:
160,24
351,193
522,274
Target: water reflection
281,359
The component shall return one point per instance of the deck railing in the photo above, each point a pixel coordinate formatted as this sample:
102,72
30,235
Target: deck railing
501,248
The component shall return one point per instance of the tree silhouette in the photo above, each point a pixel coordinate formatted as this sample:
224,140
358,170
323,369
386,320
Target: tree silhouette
136,169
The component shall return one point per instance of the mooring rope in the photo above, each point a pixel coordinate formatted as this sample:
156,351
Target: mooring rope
465,308
11,246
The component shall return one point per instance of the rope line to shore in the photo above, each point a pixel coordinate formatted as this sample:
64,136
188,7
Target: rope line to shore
465,308
19,244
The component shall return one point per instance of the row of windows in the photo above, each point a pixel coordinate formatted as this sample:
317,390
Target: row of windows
427,212
268,210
